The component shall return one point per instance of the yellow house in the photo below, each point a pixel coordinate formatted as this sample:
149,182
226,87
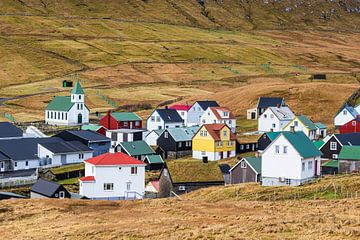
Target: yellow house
214,142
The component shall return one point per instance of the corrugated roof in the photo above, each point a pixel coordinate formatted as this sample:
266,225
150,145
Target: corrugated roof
137,148
217,112
283,113
9,130
331,163
180,107
302,144
66,147
349,138
307,122
118,158
60,103
153,159
125,116
183,134
169,115
320,125
77,89
350,153
89,135
255,163
265,102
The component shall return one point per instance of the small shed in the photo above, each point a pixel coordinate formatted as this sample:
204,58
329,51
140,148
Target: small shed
47,189
152,189
318,76
349,159
246,170
330,167
67,83
154,162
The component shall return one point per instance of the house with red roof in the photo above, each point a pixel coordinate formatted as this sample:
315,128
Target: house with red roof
219,115
113,176
182,110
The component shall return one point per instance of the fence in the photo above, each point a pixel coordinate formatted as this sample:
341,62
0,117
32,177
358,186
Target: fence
107,99
8,116
17,181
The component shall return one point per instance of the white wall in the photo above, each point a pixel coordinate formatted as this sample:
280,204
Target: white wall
151,139
158,123
208,117
113,174
21,165
184,115
194,115
57,121
266,121
343,117
212,156
72,116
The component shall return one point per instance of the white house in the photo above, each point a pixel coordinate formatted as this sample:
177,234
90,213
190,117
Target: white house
304,124
164,118
113,176
197,110
219,115
182,110
125,135
63,153
345,115
291,159
68,110
152,137
274,119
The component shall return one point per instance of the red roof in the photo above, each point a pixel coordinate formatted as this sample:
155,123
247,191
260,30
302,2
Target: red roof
156,185
87,179
214,130
180,107
119,158
216,111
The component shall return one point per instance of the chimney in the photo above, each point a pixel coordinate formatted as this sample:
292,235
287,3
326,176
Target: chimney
278,105
166,107
292,129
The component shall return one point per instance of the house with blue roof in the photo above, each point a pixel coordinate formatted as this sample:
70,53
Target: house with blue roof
346,114
68,110
163,119
290,160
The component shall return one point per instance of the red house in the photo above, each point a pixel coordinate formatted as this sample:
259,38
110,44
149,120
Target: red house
352,126
117,120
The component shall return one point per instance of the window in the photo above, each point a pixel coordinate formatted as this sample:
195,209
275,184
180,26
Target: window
78,106
62,116
180,144
81,155
15,164
303,166
243,164
182,113
182,188
137,123
229,143
65,116
79,97
273,125
247,146
203,133
285,149
188,144
128,186
226,114
354,123
59,115
82,106
333,146
114,136
158,119
344,112
166,135
296,123
54,115
203,121
219,143
126,124
287,181
61,194
310,165
265,115
26,163
277,149
225,133
152,119
335,156
73,97
242,147
48,114
134,170
108,187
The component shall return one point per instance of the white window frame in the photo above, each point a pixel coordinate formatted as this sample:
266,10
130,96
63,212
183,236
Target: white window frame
243,164
285,149
108,187
333,146
134,170
277,149
310,165
62,194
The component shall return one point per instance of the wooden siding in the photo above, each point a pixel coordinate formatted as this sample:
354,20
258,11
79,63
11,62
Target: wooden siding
242,175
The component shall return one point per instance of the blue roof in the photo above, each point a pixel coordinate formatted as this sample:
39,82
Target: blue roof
350,109
9,130
206,104
169,115
265,102
183,134
349,138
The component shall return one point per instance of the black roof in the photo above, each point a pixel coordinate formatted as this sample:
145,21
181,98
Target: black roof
67,147
44,187
265,102
206,104
9,130
349,138
24,148
169,115
3,156
225,168
89,135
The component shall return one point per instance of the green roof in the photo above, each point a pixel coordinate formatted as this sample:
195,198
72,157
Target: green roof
91,127
302,144
185,171
137,148
255,163
319,143
307,122
125,116
350,153
77,89
320,125
331,163
272,135
183,134
60,103
153,159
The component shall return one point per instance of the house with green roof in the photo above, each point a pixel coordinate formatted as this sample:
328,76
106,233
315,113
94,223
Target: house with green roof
321,130
304,124
349,159
177,142
120,120
68,110
136,149
247,169
265,139
290,160
154,162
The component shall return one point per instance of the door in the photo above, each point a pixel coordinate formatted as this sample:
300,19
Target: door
2,167
125,137
221,155
253,115
205,159
63,159
79,118
316,170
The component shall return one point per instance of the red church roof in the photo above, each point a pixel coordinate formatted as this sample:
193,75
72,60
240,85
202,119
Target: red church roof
108,159
87,179
180,107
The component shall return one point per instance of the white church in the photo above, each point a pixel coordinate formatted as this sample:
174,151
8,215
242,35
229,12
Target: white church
68,110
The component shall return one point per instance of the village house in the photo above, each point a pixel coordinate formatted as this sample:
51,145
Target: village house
334,143
181,177
265,139
349,159
125,135
163,119
321,130
177,142
182,110
197,110
291,159
95,128
63,153
68,110
266,102
247,169
152,137
304,124
136,149
214,142
154,162
117,120
47,189
96,141
219,115
274,119
113,176
345,115
9,130
152,189
353,126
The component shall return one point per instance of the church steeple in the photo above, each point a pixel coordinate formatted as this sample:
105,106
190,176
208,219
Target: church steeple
77,93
